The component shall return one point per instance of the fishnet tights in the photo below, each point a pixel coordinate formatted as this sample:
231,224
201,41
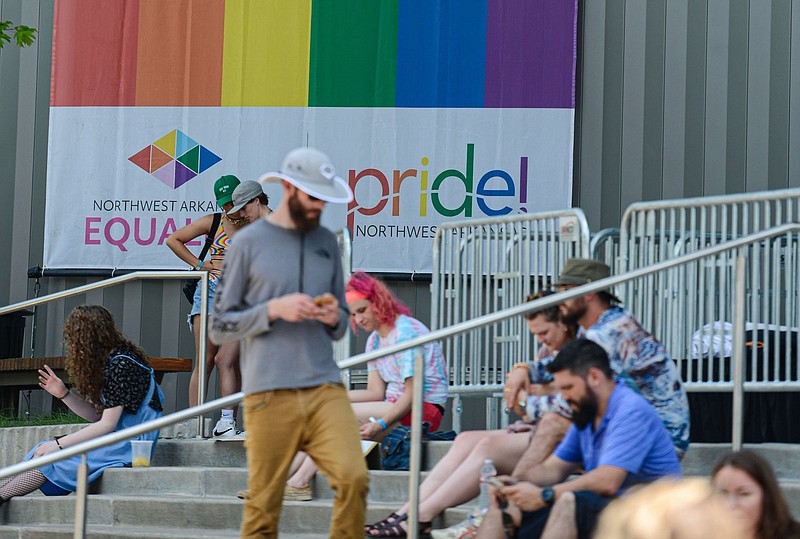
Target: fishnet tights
21,484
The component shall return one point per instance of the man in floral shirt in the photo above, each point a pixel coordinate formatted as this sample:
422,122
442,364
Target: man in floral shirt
635,355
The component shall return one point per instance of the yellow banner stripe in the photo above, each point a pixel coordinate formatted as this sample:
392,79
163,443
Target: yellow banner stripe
266,53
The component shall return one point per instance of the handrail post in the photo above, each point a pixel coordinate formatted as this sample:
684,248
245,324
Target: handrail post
738,354
202,350
415,465
80,499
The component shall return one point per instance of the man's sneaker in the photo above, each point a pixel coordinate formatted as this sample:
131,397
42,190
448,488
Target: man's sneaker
243,494
225,428
296,494
463,530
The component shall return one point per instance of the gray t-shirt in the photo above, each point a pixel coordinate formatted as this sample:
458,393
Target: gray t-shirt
266,261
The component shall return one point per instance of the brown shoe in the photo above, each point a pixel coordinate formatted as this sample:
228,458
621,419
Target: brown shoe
297,494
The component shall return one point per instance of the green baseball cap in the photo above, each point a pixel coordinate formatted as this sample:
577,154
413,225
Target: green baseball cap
223,188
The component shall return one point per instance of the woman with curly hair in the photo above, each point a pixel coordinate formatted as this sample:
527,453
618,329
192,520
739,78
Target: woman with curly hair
386,401
116,390
748,485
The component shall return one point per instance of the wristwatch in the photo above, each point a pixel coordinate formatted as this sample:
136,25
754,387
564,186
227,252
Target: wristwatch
548,495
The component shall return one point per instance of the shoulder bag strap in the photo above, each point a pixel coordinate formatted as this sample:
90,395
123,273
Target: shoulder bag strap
210,236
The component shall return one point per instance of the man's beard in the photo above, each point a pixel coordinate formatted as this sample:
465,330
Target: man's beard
587,409
299,215
574,315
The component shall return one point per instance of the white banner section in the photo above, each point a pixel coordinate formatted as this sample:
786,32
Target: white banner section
121,180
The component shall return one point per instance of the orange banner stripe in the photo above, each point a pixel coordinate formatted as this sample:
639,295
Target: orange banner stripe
180,53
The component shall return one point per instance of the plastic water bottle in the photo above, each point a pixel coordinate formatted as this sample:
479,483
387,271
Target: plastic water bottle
487,470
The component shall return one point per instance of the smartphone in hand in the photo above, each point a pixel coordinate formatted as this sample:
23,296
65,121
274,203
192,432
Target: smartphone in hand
496,483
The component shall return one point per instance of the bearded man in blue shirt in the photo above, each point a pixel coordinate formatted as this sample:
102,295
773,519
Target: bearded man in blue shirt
616,438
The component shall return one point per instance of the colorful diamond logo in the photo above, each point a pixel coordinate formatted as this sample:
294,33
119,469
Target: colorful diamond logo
174,159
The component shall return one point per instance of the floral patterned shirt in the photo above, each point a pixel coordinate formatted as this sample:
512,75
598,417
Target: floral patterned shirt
636,356
126,383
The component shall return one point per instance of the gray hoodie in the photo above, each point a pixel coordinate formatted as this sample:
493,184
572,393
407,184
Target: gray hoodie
266,261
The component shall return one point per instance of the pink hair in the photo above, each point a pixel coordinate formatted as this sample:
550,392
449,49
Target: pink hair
383,303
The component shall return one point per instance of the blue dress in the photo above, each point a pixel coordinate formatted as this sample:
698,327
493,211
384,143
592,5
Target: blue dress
62,475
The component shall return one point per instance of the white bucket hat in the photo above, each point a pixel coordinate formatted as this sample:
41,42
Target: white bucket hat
311,171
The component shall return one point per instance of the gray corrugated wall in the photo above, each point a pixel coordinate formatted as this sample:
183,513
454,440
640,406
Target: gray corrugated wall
675,98
685,98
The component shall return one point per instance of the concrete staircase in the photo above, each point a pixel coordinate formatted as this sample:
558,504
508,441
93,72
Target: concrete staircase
190,492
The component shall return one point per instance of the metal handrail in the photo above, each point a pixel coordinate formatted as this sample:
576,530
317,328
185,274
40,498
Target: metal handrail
555,299
107,439
533,306
135,276
121,435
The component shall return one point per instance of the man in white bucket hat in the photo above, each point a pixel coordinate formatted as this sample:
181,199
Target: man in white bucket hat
282,294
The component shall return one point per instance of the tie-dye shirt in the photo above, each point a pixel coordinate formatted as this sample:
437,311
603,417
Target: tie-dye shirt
396,368
637,355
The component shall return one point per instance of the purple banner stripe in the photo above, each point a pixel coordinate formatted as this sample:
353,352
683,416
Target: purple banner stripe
530,54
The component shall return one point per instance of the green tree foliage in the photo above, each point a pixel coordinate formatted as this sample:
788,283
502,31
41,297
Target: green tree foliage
22,35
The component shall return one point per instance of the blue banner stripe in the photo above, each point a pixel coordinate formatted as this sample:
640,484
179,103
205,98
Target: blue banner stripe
441,53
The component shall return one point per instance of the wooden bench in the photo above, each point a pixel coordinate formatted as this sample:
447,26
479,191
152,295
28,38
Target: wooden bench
17,374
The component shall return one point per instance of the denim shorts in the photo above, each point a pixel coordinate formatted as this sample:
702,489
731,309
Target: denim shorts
212,288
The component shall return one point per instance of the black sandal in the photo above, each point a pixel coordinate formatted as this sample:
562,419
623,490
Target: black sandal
388,521
385,529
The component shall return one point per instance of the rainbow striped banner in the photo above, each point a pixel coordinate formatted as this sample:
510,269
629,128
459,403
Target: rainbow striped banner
320,53
433,110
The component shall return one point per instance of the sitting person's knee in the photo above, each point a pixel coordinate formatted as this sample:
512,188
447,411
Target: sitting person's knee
469,437
565,502
485,447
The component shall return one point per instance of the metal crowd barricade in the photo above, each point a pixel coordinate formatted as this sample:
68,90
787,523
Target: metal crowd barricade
604,246
735,250
690,308
486,265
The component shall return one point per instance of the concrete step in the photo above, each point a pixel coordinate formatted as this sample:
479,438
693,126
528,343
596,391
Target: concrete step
700,458
124,532
200,452
177,512
196,495
389,487
165,481
227,454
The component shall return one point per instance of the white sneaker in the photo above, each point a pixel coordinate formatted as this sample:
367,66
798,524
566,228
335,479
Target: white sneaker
463,530
225,428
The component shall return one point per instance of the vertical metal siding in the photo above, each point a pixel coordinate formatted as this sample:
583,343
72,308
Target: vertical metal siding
675,99
697,98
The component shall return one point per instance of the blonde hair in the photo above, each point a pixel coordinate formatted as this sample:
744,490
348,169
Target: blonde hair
669,509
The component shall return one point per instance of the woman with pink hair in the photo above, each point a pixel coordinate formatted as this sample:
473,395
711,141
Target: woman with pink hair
386,401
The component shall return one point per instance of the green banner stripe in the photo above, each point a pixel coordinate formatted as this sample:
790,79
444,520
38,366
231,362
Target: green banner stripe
353,53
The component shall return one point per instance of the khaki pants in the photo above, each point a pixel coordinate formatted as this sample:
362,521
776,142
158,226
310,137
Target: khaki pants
319,421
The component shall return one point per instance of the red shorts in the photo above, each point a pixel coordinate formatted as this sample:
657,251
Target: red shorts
432,413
